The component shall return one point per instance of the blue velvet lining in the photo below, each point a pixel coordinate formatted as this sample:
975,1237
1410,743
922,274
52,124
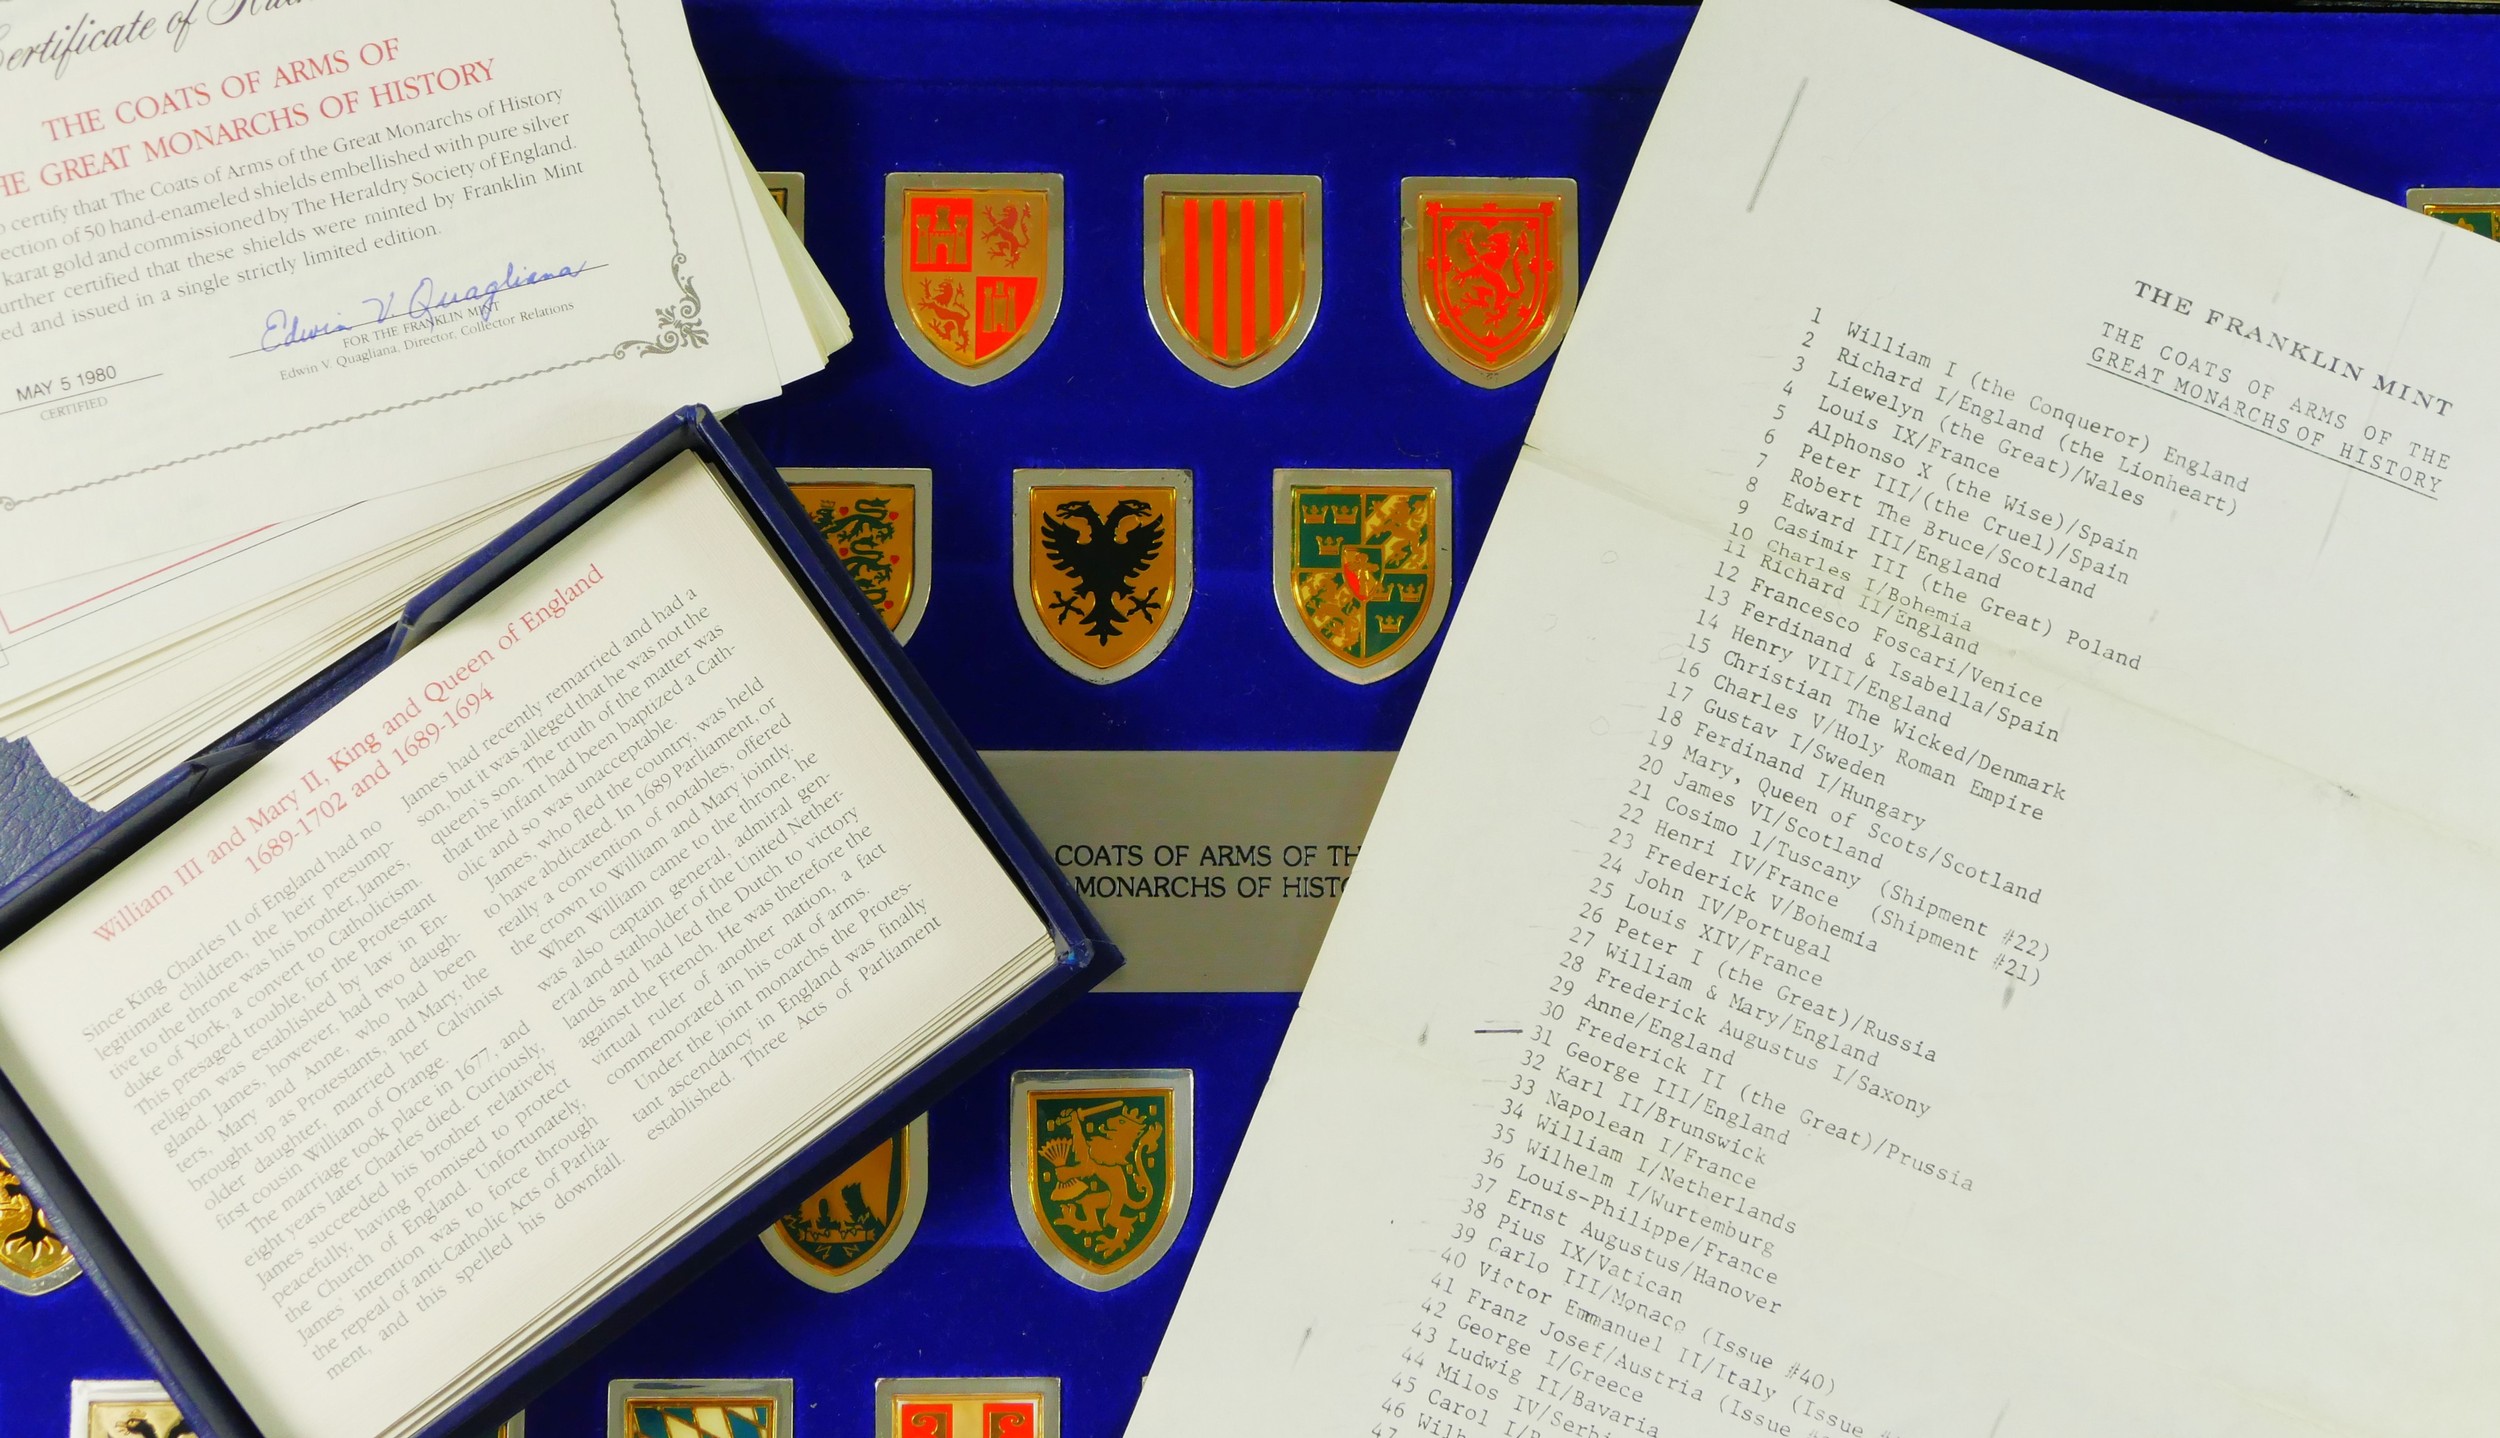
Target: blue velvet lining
1104,93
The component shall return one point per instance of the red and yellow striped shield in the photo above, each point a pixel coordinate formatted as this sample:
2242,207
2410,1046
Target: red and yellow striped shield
1233,269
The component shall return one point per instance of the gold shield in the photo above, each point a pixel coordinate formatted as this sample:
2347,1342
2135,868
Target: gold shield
967,1408
1362,565
700,1407
877,523
2470,209
1100,1167
1233,269
33,1259
789,191
1104,568
972,267
1490,270
847,1232
124,1408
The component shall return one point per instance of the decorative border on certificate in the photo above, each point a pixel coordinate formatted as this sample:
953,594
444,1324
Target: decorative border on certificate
679,326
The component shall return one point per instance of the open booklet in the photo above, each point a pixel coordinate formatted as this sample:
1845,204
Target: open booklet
515,972
1944,880
300,303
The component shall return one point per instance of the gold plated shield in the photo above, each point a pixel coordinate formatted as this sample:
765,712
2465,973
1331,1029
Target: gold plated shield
1104,568
2472,209
1100,1165
700,1407
973,267
877,523
124,1408
1491,271
846,1233
967,1408
1233,269
1362,565
789,190
33,1259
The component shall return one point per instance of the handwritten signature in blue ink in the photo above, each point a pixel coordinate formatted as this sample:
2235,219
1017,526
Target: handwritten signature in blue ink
427,299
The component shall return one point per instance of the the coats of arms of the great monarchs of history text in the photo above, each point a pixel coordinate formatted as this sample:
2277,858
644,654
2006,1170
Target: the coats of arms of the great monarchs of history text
1104,1169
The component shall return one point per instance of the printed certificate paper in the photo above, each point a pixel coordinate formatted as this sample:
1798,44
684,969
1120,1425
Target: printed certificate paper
1944,884
259,260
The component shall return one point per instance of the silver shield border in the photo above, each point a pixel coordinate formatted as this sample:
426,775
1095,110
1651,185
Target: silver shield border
889,1389
61,1277
1411,191
1184,560
794,184
1314,231
906,1224
2423,195
1182,1083
1045,313
783,1390
1280,567
86,1392
924,491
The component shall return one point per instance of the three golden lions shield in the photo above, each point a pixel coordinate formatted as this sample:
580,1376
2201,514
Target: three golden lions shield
1362,560
1233,269
1104,569
877,523
847,1232
1491,270
1100,1168
973,267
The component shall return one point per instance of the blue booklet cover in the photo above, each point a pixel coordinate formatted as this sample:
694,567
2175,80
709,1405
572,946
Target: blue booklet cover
856,641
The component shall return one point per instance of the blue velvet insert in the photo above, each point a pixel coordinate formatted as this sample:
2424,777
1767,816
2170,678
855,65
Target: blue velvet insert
1103,93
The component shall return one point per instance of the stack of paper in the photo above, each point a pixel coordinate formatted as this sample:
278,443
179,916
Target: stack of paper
299,309
1943,882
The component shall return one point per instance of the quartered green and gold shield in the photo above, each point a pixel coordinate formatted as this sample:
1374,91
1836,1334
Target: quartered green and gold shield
846,1233
700,1407
1101,1165
1362,565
